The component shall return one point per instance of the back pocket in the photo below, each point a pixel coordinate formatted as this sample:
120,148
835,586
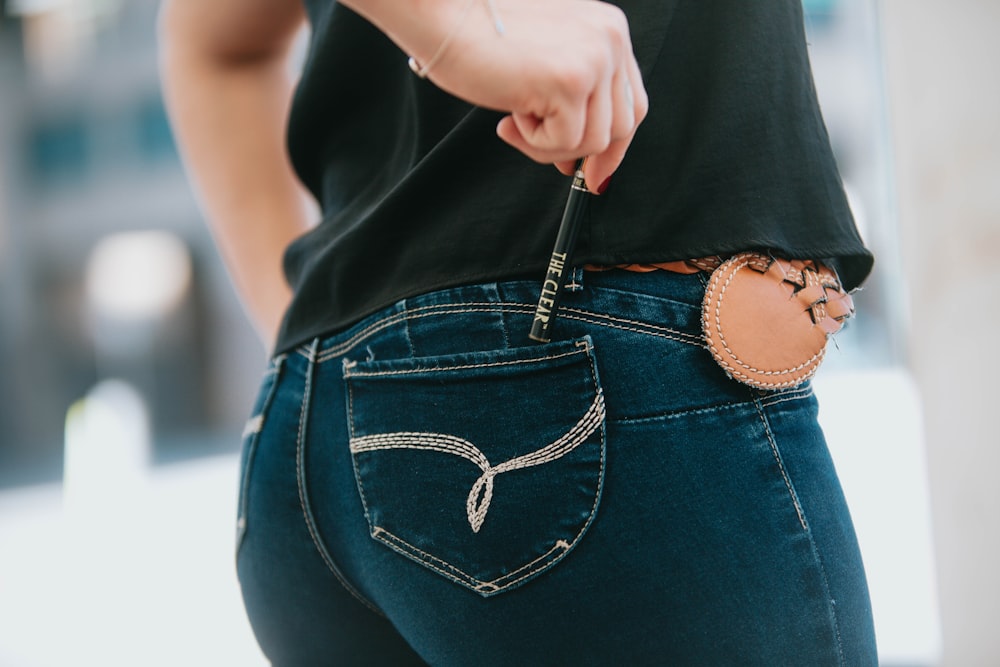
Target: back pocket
485,467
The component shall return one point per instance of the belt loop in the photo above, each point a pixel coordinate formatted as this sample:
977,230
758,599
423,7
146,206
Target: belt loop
575,281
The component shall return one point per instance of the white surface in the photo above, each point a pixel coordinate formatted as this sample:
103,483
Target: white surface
873,424
151,582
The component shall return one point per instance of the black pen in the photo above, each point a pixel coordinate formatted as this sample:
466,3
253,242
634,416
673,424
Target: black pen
560,263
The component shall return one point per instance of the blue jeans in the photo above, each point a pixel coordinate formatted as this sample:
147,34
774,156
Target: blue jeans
430,487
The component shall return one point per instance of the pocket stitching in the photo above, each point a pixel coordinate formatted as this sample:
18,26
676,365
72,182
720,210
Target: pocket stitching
578,314
487,589
349,366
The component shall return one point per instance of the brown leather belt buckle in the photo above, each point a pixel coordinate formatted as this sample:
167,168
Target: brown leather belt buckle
766,320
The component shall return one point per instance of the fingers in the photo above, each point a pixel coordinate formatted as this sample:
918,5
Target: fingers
623,101
598,119
633,103
611,114
601,166
566,167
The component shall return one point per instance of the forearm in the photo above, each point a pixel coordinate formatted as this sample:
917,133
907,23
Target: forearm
416,26
563,70
228,112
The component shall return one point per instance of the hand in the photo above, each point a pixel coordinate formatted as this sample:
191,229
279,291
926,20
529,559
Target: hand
563,70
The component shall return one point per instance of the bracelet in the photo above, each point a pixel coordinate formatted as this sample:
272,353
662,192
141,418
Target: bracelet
423,70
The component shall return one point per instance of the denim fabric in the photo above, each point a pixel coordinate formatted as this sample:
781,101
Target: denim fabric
431,487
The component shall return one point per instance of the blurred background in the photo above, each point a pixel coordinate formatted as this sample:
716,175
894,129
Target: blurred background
127,366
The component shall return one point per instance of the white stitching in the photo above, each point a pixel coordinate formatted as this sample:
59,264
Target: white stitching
678,414
406,335
303,499
489,307
781,466
718,327
805,525
530,568
453,573
253,425
780,397
784,397
682,336
478,501
815,360
349,372
416,313
307,351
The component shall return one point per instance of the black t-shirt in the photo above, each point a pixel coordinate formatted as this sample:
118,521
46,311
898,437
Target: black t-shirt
418,193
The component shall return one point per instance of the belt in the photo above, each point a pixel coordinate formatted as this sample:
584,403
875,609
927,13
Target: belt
766,320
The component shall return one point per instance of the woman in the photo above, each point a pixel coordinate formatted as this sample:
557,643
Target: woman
423,483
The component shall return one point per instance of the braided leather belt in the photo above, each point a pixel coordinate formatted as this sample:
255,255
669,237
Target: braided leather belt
766,320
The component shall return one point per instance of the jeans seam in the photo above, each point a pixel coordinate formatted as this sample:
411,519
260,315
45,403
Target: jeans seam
348,372
416,313
577,314
504,330
831,610
252,429
406,335
678,414
781,464
303,492
657,330
450,572
786,396
779,397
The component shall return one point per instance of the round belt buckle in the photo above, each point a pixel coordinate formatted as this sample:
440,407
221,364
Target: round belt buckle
765,319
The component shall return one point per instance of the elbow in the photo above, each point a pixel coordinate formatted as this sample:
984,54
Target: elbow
225,32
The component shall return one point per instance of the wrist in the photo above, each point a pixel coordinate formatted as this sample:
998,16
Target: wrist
427,29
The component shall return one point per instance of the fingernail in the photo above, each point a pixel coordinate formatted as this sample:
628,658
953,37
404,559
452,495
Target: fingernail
603,186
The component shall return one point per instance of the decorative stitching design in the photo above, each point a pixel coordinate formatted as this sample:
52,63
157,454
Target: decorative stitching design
478,501
533,567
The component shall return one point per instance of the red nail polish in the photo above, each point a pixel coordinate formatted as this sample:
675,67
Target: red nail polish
603,186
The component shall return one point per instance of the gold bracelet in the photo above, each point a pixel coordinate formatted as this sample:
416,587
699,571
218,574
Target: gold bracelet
423,70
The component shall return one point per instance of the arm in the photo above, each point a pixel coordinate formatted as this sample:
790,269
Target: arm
227,88
563,69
